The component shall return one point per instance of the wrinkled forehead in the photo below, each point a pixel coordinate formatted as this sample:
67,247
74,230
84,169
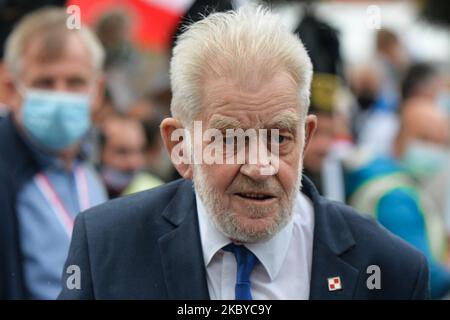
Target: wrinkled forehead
267,102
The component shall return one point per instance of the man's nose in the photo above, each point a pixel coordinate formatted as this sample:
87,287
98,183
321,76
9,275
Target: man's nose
60,85
257,172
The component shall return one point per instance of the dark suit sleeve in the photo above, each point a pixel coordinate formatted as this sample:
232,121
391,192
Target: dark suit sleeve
78,257
11,277
422,286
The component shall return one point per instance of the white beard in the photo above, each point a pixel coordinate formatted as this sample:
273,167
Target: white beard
227,222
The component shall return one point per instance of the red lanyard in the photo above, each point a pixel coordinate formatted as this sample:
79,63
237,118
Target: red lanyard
48,191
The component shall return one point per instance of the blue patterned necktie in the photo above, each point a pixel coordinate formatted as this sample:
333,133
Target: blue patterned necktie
246,261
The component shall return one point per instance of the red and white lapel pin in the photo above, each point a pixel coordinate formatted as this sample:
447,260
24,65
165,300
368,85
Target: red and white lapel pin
334,284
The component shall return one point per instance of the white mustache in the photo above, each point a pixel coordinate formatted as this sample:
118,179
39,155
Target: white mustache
246,185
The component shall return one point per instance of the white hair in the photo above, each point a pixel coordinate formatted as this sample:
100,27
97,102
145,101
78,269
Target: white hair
47,22
242,44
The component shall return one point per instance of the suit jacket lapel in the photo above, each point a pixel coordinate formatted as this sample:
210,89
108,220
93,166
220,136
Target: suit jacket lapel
332,239
182,257
181,250
327,265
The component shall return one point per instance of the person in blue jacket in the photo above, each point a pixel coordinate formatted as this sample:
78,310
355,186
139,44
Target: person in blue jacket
388,187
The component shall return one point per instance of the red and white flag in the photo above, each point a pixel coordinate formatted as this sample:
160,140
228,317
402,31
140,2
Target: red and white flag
153,21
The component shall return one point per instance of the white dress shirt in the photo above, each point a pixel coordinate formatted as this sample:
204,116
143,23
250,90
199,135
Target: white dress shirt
284,271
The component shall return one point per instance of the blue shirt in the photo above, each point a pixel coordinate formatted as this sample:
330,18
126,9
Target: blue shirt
44,240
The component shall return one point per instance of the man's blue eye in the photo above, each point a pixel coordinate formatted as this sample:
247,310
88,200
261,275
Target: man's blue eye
278,139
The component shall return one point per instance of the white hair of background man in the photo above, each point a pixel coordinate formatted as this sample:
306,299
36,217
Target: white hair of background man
244,44
47,20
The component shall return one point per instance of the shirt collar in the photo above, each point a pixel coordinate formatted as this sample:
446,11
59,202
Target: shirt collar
271,253
212,239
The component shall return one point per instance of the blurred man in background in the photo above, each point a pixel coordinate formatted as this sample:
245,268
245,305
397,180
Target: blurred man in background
376,88
319,147
388,187
53,88
324,87
122,146
155,168
393,56
322,161
124,65
422,80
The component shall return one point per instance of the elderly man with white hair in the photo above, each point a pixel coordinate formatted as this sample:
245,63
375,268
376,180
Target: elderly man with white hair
54,85
242,223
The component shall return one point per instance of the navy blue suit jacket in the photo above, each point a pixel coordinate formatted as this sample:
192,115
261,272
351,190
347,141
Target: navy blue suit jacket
147,246
17,166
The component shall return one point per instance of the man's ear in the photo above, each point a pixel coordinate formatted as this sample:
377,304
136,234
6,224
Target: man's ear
310,129
11,96
177,146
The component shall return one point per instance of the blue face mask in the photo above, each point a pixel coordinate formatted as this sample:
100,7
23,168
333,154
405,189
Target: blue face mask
56,119
443,101
424,160
115,179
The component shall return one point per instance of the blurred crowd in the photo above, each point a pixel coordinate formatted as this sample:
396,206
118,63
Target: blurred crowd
382,143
